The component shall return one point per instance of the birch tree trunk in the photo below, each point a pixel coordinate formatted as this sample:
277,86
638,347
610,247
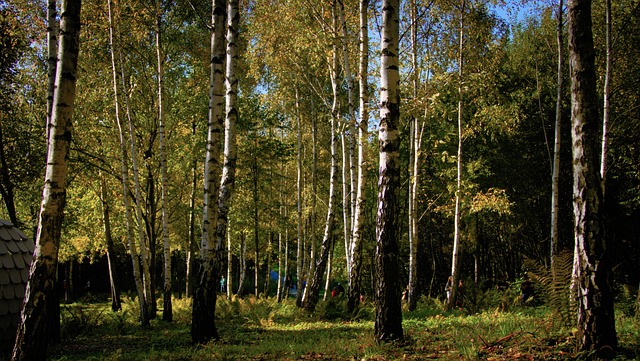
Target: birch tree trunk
313,253
414,169
607,96
52,62
349,188
32,336
192,221
555,176
124,170
228,180
455,272
356,242
300,248
312,290
167,313
145,253
106,218
243,262
256,224
203,326
596,322
388,322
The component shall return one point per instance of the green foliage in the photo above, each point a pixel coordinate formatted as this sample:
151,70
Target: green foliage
554,287
80,319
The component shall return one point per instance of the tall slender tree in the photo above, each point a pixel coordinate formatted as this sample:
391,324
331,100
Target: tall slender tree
388,322
167,313
32,337
555,172
596,323
111,254
455,270
203,326
228,179
356,242
312,290
606,96
124,171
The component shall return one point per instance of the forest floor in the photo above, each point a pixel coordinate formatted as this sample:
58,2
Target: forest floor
262,329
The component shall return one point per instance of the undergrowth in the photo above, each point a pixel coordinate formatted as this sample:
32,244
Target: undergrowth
264,329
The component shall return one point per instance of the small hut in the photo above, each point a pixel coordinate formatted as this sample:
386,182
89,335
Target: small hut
16,253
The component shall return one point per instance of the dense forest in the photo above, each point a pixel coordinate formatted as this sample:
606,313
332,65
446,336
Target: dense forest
276,148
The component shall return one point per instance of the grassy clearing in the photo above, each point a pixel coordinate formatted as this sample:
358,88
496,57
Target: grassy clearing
262,329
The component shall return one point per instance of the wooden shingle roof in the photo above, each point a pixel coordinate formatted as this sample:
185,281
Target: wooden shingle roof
16,252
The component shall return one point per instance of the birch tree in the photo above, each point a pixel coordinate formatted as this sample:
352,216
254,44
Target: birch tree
414,167
313,289
356,241
142,300
388,320
555,175
106,220
32,337
455,272
227,182
596,322
203,326
606,97
167,313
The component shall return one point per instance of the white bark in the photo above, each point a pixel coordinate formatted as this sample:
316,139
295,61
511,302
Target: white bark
167,314
456,235
144,315
227,182
31,342
388,323
348,135
300,248
356,242
555,176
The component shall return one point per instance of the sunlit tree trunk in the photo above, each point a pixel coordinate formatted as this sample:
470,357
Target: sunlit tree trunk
388,321
106,219
313,289
285,286
348,135
124,170
596,322
243,262
455,271
227,182
32,336
203,327
280,273
145,253
414,168
327,282
356,243
52,60
300,247
167,313
192,249
555,176
312,257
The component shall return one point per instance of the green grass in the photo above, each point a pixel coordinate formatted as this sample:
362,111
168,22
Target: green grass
263,329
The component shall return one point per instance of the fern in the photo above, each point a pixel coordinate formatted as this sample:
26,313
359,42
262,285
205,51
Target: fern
555,291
